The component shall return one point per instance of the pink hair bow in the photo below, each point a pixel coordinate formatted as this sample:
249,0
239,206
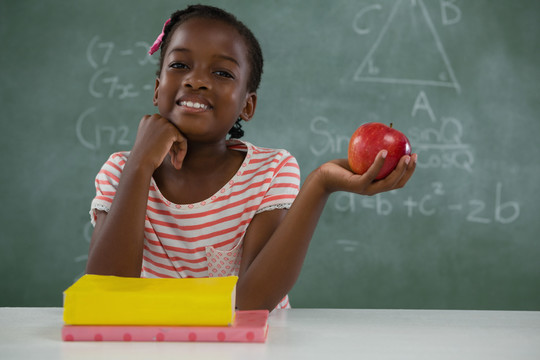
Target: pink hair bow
159,39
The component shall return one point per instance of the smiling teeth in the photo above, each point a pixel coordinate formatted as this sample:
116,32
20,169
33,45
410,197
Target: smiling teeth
194,105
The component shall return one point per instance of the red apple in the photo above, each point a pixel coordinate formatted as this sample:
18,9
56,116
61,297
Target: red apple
369,139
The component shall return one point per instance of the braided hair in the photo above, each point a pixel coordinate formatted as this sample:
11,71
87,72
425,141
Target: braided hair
255,57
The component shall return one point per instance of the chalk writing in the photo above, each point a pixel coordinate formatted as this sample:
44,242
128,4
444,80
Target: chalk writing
329,143
349,202
476,210
99,53
422,104
437,147
104,84
433,203
107,82
450,12
442,147
102,134
347,245
377,67
358,25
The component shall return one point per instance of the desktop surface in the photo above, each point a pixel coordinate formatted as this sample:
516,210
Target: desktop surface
27,333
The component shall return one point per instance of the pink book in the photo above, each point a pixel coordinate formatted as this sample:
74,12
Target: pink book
248,326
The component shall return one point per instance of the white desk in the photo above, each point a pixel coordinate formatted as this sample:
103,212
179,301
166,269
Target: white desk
34,333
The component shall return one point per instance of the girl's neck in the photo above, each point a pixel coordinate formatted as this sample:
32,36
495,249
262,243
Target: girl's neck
204,171
200,158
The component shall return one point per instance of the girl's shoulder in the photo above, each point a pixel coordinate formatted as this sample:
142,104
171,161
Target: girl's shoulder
115,163
118,158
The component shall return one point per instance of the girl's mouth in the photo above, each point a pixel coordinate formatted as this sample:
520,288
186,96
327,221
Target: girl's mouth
193,105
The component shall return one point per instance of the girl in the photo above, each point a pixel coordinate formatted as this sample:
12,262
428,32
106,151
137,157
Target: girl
187,202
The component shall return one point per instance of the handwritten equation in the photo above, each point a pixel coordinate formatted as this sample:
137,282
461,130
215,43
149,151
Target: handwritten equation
441,145
110,82
106,83
441,142
101,134
435,203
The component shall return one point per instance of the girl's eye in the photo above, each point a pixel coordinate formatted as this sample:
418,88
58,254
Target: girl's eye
177,65
224,74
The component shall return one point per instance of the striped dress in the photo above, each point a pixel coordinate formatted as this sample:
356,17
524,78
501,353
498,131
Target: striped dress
205,239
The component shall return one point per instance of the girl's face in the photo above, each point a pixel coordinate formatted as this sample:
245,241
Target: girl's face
202,88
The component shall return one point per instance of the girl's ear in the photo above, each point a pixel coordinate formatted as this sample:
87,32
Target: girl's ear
249,108
156,90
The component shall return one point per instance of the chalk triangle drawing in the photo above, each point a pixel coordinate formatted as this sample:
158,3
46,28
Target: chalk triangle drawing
408,51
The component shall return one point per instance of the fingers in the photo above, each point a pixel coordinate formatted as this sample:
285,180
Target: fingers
337,176
178,153
157,137
400,175
377,165
178,149
396,179
340,177
409,170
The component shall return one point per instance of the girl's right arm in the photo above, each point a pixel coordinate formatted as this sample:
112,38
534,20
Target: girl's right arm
116,247
276,242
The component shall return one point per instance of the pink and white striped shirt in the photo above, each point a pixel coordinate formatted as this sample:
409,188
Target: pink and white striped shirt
205,239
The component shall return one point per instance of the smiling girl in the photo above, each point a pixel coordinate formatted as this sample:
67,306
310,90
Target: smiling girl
187,202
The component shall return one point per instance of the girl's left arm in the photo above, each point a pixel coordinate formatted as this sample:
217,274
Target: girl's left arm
277,241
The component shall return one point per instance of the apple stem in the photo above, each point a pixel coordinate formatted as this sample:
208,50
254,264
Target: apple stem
391,124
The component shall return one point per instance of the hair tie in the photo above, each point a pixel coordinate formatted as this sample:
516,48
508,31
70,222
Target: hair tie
159,39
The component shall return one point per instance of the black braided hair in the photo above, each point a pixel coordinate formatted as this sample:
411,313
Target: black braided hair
236,132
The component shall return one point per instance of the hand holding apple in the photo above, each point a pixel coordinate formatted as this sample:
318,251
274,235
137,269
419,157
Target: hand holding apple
368,140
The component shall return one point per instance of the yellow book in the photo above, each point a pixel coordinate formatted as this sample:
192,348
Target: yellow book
112,300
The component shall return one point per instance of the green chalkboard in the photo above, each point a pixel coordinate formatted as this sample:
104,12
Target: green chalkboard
459,77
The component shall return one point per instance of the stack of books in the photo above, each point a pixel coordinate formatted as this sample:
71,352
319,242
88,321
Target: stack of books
111,308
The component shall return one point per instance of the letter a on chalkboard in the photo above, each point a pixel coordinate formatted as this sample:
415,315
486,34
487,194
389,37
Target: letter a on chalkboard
408,51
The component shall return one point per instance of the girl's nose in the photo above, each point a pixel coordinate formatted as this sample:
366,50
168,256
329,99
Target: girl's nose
197,80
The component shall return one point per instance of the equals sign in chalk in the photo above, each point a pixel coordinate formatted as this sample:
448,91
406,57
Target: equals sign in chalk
348,245
457,207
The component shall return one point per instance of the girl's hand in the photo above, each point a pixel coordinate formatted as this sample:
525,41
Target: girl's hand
337,176
157,137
